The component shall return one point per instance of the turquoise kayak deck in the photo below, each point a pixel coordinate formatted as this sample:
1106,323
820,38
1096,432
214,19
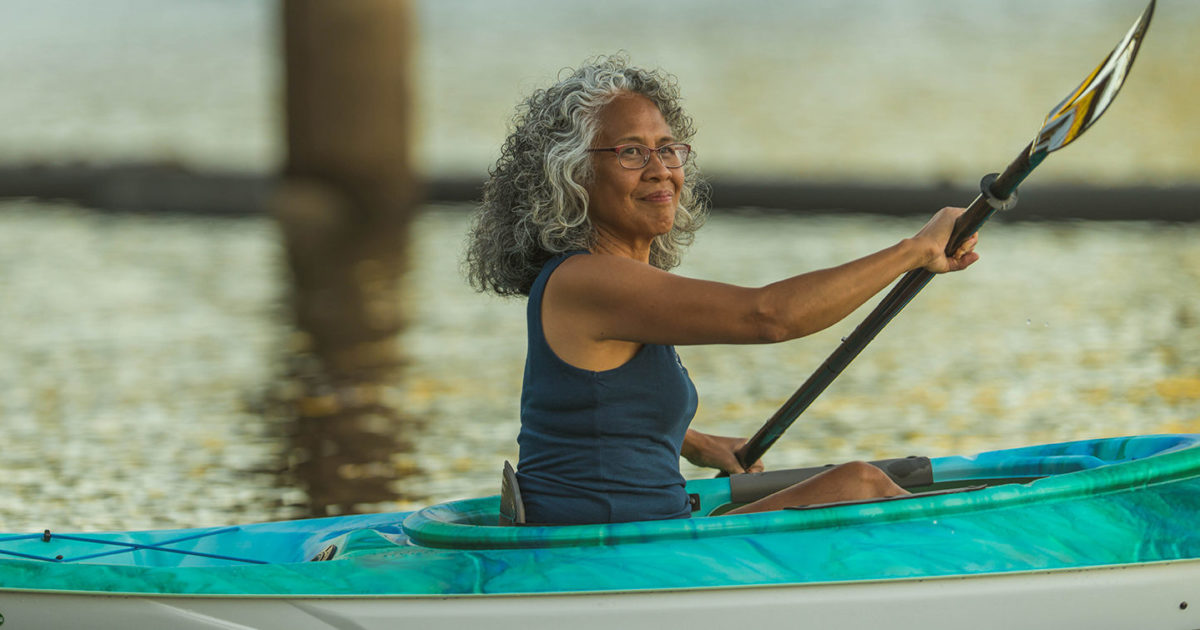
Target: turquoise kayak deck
1096,502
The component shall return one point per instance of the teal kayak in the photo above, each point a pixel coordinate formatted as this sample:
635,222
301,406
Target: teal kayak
1130,502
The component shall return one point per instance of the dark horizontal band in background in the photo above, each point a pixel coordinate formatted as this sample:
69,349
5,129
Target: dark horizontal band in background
166,188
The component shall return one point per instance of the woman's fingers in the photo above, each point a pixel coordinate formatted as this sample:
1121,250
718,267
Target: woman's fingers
967,247
966,255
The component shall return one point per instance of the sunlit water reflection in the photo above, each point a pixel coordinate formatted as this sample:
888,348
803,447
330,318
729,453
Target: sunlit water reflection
141,356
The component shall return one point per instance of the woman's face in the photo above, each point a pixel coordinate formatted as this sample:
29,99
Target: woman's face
629,207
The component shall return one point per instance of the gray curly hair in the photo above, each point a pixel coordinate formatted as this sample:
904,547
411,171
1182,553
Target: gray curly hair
534,202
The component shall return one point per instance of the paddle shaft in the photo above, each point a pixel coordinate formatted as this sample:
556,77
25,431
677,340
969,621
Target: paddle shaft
980,210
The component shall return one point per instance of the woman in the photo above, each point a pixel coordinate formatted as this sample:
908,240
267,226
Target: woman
591,201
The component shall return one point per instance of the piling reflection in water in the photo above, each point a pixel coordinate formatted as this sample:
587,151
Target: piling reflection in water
345,442
346,306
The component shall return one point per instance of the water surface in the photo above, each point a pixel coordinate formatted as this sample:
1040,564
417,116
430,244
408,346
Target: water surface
142,355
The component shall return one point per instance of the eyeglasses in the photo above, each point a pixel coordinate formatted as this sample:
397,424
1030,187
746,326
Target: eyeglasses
635,156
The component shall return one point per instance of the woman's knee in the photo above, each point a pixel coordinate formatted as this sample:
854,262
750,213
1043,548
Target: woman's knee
868,476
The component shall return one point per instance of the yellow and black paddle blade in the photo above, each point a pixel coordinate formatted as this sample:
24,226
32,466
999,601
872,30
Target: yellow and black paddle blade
1070,118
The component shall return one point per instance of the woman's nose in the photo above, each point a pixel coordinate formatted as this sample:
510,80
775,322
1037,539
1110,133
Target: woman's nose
655,168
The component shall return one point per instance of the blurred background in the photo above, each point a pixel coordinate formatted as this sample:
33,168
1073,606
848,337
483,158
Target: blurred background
230,234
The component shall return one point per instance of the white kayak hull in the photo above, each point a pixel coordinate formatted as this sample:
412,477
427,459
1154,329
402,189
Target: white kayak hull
1162,596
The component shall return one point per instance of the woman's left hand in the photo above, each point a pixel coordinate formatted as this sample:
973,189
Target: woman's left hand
715,451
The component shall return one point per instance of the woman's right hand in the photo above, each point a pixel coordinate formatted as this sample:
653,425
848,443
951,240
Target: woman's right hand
936,235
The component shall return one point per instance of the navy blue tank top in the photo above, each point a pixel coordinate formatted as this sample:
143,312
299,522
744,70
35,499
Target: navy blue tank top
601,447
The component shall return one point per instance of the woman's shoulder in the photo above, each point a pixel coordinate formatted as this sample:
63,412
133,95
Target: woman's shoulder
593,268
550,267
603,279
556,261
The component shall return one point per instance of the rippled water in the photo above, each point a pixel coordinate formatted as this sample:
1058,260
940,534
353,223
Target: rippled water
131,349
140,353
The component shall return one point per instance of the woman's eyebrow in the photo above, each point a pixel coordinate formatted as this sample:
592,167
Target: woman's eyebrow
639,140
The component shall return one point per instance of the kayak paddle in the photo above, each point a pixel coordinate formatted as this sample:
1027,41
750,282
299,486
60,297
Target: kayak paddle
1065,122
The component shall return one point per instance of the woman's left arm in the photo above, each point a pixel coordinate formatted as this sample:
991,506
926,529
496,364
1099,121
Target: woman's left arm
715,451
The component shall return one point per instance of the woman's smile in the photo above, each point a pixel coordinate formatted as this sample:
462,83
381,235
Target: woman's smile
660,196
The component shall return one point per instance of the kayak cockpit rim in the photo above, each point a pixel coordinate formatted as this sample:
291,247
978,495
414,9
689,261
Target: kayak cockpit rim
1041,473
